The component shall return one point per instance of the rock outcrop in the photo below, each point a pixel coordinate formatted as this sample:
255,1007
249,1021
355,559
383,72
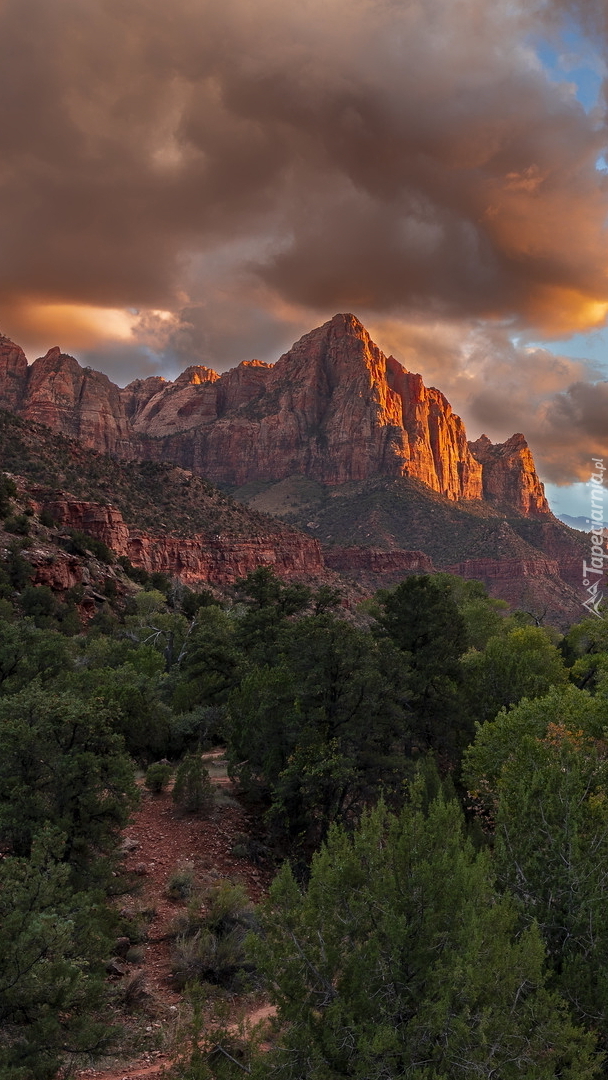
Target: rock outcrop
509,476
333,409
55,390
387,564
13,375
537,586
220,560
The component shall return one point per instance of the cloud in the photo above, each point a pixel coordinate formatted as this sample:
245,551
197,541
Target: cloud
206,180
401,155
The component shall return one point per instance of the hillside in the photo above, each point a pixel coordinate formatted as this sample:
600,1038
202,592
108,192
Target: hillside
532,562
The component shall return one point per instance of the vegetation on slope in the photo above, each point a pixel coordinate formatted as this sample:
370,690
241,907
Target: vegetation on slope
402,513
152,496
434,921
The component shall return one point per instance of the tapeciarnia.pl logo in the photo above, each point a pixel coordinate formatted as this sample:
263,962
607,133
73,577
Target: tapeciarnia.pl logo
593,572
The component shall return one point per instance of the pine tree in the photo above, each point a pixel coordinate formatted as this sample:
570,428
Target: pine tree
401,959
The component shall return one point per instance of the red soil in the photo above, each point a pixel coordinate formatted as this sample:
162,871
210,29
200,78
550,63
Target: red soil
157,841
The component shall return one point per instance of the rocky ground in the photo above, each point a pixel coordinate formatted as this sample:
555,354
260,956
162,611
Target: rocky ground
156,842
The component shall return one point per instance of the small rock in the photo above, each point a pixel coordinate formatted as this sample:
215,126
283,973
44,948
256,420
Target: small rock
122,946
114,967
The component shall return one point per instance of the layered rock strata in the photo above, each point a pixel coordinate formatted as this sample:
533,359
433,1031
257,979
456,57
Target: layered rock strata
220,560
356,560
333,409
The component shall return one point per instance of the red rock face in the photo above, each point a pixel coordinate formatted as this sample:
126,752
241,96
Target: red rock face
102,522
509,475
13,375
76,401
333,409
537,586
371,561
195,559
224,561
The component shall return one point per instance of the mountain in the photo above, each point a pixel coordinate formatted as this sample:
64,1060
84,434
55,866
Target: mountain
333,409
337,440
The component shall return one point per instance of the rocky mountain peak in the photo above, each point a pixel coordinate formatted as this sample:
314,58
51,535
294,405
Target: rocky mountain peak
509,475
196,375
333,408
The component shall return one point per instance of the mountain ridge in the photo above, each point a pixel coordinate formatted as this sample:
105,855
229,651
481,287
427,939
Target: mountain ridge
369,471
333,408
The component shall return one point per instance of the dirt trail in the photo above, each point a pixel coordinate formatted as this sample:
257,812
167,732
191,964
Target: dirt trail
156,841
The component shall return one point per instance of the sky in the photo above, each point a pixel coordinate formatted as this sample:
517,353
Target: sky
205,181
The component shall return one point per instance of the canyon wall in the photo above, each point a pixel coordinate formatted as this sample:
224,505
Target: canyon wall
220,560
333,408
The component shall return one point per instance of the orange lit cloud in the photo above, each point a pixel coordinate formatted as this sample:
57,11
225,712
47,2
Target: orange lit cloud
247,170
79,325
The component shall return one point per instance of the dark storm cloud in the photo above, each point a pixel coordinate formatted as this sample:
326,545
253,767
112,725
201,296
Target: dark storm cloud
205,180
397,154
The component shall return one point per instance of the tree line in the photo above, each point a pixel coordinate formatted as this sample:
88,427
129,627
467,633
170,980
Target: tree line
431,774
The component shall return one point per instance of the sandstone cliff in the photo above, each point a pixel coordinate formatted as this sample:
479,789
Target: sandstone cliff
55,390
509,476
13,375
218,560
333,409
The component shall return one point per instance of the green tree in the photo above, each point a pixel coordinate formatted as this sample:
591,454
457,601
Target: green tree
210,664
152,624
484,617
132,691
542,773
39,602
422,618
401,959
270,604
355,730
263,728
52,943
321,734
585,649
28,653
525,663
192,791
62,762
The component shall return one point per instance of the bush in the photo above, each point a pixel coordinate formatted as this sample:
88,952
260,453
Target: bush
18,524
8,490
47,519
39,603
80,543
133,989
228,907
159,581
157,777
192,791
211,949
180,884
207,957
136,573
18,569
